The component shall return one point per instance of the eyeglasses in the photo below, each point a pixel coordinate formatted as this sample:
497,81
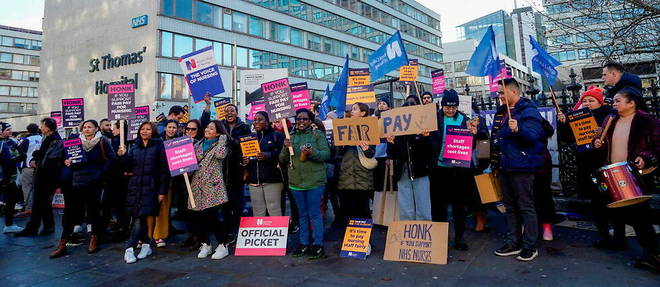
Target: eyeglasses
191,129
500,93
302,119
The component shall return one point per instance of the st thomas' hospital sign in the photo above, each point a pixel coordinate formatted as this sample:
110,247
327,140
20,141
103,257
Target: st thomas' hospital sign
109,61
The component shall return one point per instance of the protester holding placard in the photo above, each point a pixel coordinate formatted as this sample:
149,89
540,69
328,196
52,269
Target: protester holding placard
114,196
176,113
381,149
209,191
412,167
307,178
264,176
147,186
10,156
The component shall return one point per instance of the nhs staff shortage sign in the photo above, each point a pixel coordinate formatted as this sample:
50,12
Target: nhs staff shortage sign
202,73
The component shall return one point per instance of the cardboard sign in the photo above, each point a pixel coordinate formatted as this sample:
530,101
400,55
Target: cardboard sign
141,116
73,112
465,105
249,145
417,241
73,150
353,130
584,126
489,188
220,106
181,156
121,102
57,116
360,89
458,147
300,96
438,82
409,74
356,238
277,95
410,120
256,107
262,236
201,73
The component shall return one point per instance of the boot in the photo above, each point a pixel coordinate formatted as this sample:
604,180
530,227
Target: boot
481,221
60,251
93,244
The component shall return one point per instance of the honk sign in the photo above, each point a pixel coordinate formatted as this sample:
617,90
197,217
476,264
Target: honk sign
417,241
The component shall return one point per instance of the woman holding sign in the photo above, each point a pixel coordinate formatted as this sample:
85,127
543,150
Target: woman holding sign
307,179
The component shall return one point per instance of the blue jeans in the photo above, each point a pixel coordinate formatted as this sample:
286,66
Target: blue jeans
309,208
414,197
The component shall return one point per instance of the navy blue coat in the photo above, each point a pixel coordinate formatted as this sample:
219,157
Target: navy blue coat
267,171
95,169
521,151
151,177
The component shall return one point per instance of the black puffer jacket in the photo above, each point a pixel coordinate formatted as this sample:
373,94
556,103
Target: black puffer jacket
95,169
627,80
151,177
267,171
413,152
233,170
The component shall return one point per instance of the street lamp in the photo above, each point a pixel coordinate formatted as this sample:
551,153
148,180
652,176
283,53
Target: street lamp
574,87
532,91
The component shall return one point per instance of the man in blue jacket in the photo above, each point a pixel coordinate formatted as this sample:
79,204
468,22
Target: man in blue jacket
520,141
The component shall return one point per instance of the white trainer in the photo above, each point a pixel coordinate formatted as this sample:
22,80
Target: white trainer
369,249
204,251
129,255
144,251
220,252
77,229
12,229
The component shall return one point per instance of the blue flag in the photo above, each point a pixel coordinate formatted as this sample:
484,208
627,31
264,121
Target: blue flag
485,61
543,63
324,109
390,56
338,99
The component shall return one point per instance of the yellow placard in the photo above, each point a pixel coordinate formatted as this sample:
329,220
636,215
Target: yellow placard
250,146
410,72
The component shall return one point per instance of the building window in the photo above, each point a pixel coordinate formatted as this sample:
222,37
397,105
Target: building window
4,90
7,41
241,57
204,13
5,74
165,84
226,55
296,37
226,20
217,52
239,22
314,42
183,9
167,7
283,33
166,44
179,88
6,57
182,45
460,66
18,59
256,26
199,44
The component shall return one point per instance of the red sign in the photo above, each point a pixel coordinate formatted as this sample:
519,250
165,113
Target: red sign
262,236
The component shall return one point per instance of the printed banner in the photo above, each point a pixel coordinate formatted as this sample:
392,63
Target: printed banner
256,107
73,150
160,117
300,96
57,116
181,156
121,102
352,131
584,127
220,106
410,120
262,236
356,238
251,81
505,73
360,89
438,82
73,112
250,145
458,147
465,105
278,99
201,73
141,116
409,74
417,241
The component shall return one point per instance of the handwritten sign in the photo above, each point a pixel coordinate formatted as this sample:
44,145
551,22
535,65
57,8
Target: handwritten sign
121,101
458,147
57,116
262,236
278,99
300,96
249,145
141,116
181,156
201,73
417,241
220,106
73,150
73,112
584,126
360,89
353,130
410,120
438,82
409,74
356,238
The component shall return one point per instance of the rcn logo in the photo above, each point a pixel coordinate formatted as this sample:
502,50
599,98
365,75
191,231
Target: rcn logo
191,64
260,221
394,50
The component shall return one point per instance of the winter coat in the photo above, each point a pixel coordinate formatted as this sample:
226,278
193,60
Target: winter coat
232,166
312,172
49,159
521,151
590,159
150,177
352,175
95,170
411,152
437,137
643,141
627,80
10,156
267,170
208,184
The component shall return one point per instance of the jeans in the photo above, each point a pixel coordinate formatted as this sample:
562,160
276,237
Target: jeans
414,198
266,197
309,209
27,180
518,198
11,195
138,231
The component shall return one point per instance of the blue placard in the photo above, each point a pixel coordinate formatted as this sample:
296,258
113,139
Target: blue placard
202,74
139,21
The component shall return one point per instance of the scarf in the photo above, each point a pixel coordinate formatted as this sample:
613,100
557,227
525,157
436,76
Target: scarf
208,143
89,144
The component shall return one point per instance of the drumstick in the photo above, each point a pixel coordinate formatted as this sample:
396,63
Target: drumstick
607,127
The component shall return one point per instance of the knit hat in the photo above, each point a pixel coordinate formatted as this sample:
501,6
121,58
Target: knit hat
4,126
594,92
449,98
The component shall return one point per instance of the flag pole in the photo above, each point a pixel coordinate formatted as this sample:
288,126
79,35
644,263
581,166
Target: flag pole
554,99
506,102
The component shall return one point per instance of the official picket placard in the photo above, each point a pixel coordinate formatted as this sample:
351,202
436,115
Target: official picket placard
202,73
417,241
438,83
249,145
409,74
57,116
584,127
181,156
141,116
360,89
277,95
121,102
73,112
73,150
300,96
458,147
410,120
220,106
262,236
352,131
356,238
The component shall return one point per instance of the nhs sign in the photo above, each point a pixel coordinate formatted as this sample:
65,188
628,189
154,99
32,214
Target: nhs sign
139,21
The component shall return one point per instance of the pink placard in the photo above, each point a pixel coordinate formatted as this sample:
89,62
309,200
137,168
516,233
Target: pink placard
458,147
301,99
262,236
181,156
438,81
256,107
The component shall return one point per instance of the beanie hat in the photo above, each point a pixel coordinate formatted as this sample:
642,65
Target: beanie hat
4,126
449,98
594,92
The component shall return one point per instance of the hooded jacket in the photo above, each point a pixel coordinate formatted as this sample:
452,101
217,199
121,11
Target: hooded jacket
627,80
310,173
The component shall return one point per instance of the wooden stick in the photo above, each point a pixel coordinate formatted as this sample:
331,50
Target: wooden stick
407,91
506,102
287,135
417,91
607,127
554,99
190,195
121,133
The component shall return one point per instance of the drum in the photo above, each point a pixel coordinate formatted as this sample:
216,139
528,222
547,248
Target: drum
622,184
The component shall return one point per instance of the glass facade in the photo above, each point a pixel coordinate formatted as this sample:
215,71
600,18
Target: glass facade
20,43
500,21
19,59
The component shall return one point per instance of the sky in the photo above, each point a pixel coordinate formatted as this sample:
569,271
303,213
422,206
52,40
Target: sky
28,13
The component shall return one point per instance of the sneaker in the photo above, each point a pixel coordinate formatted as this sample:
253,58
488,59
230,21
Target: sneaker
144,251
527,254
547,232
369,249
507,250
293,229
89,228
12,229
160,243
77,229
204,251
75,240
301,251
220,252
129,255
316,252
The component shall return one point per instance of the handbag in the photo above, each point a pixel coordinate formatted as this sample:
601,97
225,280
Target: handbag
368,163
